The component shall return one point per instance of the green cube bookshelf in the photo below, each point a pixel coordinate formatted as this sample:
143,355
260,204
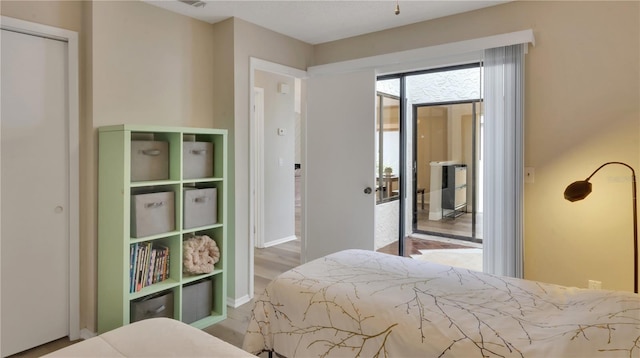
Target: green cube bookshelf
116,191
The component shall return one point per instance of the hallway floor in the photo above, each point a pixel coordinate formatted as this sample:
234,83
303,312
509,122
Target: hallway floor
461,226
416,242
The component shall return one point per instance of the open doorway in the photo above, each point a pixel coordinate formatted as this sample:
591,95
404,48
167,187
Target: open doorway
275,108
276,180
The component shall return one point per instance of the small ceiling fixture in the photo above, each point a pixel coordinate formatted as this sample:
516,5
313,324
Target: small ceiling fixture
397,12
194,3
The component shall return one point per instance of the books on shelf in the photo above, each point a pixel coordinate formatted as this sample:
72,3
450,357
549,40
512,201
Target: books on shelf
148,264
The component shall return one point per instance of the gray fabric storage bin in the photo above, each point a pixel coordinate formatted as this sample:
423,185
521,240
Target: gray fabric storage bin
197,160
158,305
200,207
197,301
149,160
152,213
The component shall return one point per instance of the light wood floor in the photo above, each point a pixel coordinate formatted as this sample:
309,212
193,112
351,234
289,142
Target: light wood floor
269,263
460,226
416,242
45,348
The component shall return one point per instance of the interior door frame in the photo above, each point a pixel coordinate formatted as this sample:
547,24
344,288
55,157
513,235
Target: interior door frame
258,152
256,140
71,38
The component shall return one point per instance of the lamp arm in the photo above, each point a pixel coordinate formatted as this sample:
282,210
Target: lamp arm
633,172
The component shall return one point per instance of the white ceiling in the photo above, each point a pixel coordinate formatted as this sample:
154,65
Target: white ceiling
315,22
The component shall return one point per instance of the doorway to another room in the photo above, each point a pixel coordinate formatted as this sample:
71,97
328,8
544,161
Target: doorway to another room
276,162
438,133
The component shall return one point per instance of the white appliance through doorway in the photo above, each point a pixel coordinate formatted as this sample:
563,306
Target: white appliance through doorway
39,294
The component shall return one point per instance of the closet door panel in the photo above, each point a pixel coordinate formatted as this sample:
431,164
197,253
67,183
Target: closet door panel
34,207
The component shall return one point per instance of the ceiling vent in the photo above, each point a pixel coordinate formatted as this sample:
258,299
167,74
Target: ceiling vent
194,3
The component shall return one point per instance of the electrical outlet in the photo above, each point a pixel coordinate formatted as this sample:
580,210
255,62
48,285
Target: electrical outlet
595,285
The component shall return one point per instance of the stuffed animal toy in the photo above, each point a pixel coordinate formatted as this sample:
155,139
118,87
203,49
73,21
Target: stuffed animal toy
200,253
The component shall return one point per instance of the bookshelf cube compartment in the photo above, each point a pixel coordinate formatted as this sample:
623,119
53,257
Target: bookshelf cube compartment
149,263
200,207
197,160
149,160
152,213
152,306
197,300
216,234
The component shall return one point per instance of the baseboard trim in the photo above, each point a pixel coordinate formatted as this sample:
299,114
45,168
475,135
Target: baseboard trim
86,334
235,303
280,241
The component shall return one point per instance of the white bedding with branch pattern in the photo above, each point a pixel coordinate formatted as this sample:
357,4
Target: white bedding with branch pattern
358,303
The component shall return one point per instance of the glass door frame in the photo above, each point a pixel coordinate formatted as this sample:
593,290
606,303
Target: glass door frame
380,181
402,170
475,153
403,142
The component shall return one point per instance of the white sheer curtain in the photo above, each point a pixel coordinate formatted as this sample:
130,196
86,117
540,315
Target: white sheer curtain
504,160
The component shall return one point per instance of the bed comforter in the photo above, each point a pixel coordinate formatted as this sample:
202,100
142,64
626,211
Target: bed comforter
359,303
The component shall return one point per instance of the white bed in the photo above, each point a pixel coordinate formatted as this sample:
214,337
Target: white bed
359,303
154,337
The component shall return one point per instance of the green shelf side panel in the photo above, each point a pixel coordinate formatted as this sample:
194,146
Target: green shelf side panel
113,205
225,223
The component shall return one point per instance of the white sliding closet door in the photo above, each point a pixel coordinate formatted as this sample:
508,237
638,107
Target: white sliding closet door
35,191
340,163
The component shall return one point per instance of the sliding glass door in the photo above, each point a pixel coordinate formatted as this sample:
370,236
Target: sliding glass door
429,126
446,149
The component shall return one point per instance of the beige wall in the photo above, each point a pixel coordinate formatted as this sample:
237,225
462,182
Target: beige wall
150,66
224,117
62,14
581,109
